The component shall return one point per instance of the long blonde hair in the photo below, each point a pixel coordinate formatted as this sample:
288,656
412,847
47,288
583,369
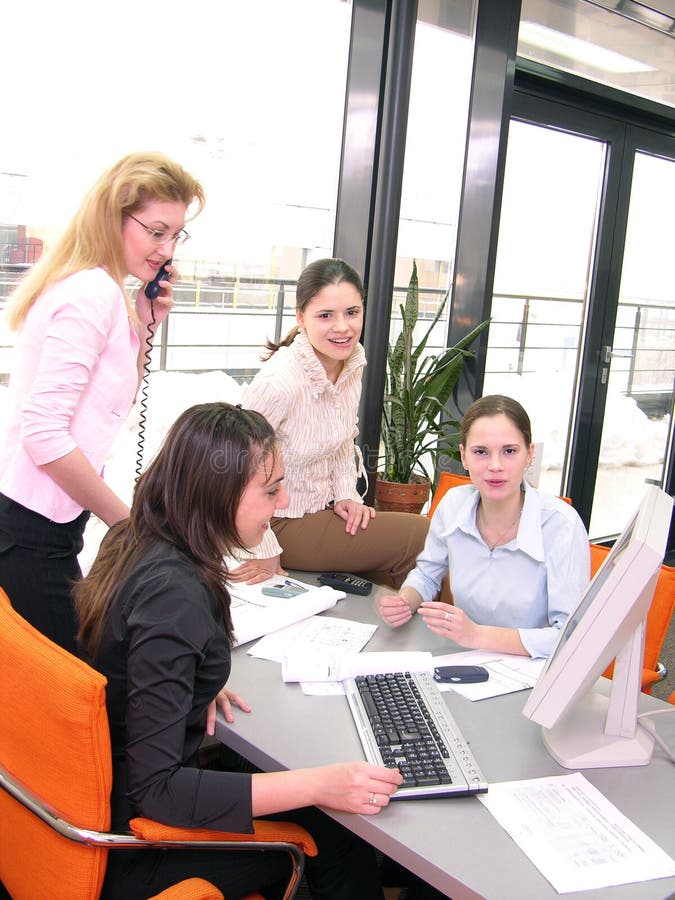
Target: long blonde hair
94,236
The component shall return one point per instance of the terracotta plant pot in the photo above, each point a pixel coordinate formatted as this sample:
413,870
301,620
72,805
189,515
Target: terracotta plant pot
392,496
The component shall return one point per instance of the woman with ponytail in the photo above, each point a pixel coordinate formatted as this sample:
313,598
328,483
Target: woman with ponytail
309,389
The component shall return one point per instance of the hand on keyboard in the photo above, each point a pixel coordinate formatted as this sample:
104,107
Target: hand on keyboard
356,787
404,723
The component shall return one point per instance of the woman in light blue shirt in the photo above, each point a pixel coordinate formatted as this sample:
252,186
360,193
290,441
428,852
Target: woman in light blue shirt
518,559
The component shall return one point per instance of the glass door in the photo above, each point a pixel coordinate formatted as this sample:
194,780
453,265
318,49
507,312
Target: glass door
547,239
639,364
583,310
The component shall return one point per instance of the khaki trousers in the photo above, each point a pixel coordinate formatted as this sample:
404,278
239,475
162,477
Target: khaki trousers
384,552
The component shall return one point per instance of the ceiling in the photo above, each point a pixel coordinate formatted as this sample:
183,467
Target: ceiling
575,35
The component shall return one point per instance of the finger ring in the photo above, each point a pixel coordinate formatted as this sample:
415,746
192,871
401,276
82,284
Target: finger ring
448,616
371,800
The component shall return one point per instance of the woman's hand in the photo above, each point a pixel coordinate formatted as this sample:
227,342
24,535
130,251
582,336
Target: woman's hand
355,787
356,515
225,699
162,304
397,609
450,622
394,609
254,571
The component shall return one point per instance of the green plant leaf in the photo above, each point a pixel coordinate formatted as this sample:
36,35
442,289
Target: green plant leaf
418,386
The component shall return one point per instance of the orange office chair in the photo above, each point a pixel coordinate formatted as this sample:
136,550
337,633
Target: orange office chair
658,620
56,777
447,480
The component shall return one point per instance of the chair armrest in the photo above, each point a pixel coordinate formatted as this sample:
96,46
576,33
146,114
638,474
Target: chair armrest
263,832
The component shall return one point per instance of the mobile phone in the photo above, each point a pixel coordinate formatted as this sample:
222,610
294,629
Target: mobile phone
152,288
461,674
283,589
343,581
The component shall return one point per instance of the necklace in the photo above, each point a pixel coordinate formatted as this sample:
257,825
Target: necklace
484,527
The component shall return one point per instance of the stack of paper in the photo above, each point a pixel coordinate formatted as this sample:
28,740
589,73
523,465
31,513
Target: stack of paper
255,614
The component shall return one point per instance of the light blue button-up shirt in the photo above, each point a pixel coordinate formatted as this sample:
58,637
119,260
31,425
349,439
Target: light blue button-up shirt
532,583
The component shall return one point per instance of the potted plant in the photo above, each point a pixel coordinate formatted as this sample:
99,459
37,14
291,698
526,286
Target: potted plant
415,425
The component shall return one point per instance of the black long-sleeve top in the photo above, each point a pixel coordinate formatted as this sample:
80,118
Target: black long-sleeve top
166,655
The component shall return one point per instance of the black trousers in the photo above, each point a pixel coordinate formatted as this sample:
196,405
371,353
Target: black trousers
345,869
38,566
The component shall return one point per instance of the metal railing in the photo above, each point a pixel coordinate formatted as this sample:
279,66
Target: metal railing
21,253
223,323
526,337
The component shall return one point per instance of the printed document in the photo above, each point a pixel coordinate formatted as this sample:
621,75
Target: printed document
321,636
576,838
255,613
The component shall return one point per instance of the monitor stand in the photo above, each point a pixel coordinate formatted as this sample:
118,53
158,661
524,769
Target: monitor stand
602,730
579,740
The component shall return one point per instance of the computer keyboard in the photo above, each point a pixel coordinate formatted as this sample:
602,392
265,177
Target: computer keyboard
403,722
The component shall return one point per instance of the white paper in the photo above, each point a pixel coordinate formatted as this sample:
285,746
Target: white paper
576,838
507,673
322,688
255,614
299,665
319,634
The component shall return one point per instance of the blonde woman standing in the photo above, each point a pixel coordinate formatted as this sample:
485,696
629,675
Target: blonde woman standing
79,353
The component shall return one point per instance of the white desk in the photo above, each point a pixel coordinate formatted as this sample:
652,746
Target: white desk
454,844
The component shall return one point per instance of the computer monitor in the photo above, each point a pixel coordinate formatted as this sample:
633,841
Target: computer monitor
582,726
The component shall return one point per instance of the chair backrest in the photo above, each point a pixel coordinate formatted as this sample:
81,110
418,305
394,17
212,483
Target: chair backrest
447,480
55,740
658,618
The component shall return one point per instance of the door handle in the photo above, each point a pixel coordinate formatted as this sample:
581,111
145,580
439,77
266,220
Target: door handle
607,353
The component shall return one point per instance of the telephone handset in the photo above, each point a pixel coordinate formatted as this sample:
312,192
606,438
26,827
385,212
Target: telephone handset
152,289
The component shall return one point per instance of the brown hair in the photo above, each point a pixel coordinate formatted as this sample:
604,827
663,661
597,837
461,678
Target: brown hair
94,236
313,278
188,496
495,405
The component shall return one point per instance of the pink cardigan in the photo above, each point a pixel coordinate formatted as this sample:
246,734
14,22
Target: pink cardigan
73,384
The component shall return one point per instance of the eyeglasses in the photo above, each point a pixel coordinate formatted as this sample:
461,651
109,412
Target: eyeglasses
159,236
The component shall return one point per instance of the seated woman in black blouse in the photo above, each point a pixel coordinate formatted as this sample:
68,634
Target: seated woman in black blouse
155,619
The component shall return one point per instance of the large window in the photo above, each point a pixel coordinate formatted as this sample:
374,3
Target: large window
434,153
248,96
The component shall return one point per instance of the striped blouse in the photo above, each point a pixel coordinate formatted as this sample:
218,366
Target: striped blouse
316,424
